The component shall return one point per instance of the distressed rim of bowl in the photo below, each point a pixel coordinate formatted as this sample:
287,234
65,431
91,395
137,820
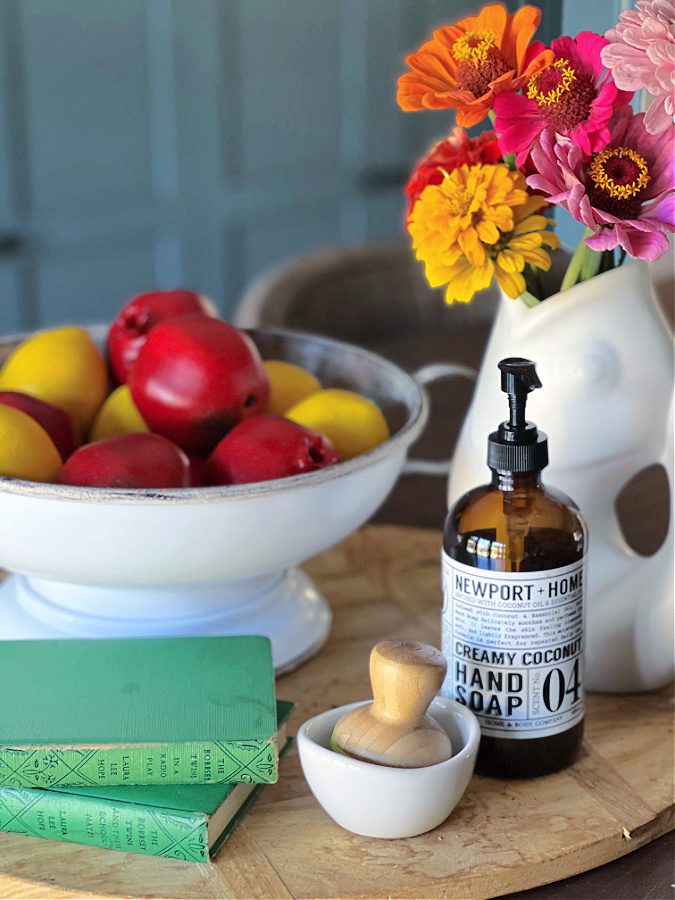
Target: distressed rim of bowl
405,436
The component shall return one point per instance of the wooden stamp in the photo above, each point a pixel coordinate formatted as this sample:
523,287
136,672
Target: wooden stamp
395,729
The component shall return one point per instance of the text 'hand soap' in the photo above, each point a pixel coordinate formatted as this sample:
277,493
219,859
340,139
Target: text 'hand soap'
513,601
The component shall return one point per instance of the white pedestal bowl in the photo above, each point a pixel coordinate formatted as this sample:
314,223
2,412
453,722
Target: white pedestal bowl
220,560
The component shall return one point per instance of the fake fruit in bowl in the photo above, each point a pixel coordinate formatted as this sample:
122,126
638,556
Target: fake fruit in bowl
135,320
289,384
267,447
351,421
128,461
195,378
56,422
118,415
26,450
224,557
61,366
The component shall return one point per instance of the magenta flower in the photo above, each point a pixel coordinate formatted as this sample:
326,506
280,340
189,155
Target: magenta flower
641,54
623,194
574,97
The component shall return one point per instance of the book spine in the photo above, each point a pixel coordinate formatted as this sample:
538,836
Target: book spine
103,823
207,762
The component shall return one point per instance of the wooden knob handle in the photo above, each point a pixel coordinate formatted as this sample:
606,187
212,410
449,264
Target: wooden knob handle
395,730
406,676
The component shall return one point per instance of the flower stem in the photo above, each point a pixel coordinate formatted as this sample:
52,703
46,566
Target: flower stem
535,282
574,268
592,264
529,299
510,160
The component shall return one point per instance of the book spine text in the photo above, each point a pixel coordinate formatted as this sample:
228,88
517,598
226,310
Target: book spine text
207,762
103,823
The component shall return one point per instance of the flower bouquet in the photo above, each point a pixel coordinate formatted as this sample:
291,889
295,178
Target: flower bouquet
564,136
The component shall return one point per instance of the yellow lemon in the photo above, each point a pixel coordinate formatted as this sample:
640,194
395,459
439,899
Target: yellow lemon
352,422
289,384
118,415
26,450
61,366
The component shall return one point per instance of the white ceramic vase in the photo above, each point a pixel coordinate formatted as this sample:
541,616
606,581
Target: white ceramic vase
605,358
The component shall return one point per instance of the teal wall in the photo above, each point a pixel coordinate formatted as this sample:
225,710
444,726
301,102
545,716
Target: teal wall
157,143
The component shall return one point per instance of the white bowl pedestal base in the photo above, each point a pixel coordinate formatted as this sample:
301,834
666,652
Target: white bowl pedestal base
284,606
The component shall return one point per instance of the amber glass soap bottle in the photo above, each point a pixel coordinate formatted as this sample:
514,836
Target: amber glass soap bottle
513,601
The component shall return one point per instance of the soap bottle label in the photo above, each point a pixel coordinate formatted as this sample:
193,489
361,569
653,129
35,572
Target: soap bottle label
514,646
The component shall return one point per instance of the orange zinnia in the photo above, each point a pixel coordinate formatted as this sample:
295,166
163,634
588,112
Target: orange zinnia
466,64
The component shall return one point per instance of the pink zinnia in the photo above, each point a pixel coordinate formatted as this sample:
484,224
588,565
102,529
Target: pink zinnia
457,150
623,194
641,54
574,97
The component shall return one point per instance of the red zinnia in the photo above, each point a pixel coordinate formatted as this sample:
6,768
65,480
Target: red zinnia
457,150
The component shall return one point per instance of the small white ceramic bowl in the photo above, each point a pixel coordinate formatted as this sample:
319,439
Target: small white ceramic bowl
381,801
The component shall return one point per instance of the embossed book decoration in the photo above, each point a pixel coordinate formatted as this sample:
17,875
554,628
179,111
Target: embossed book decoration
188,822
142,711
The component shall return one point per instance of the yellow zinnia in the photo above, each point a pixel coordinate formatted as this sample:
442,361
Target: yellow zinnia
479,222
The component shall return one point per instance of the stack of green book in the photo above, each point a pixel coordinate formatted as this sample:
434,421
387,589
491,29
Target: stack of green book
153,746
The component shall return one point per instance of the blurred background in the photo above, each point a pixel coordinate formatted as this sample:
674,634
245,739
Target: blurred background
163,143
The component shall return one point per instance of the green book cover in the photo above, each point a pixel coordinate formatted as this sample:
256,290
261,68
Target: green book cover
188,822
140,711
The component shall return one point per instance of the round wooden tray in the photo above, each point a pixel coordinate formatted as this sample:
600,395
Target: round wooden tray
504,836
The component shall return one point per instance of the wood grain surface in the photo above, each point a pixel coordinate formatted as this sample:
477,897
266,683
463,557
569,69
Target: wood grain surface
504,836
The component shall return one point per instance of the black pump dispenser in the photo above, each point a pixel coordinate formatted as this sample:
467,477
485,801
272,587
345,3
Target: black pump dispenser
517,445
513,601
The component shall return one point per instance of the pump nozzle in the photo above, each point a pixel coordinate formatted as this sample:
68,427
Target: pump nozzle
519,377
517,445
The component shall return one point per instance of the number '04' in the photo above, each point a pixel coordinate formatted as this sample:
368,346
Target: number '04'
555,690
